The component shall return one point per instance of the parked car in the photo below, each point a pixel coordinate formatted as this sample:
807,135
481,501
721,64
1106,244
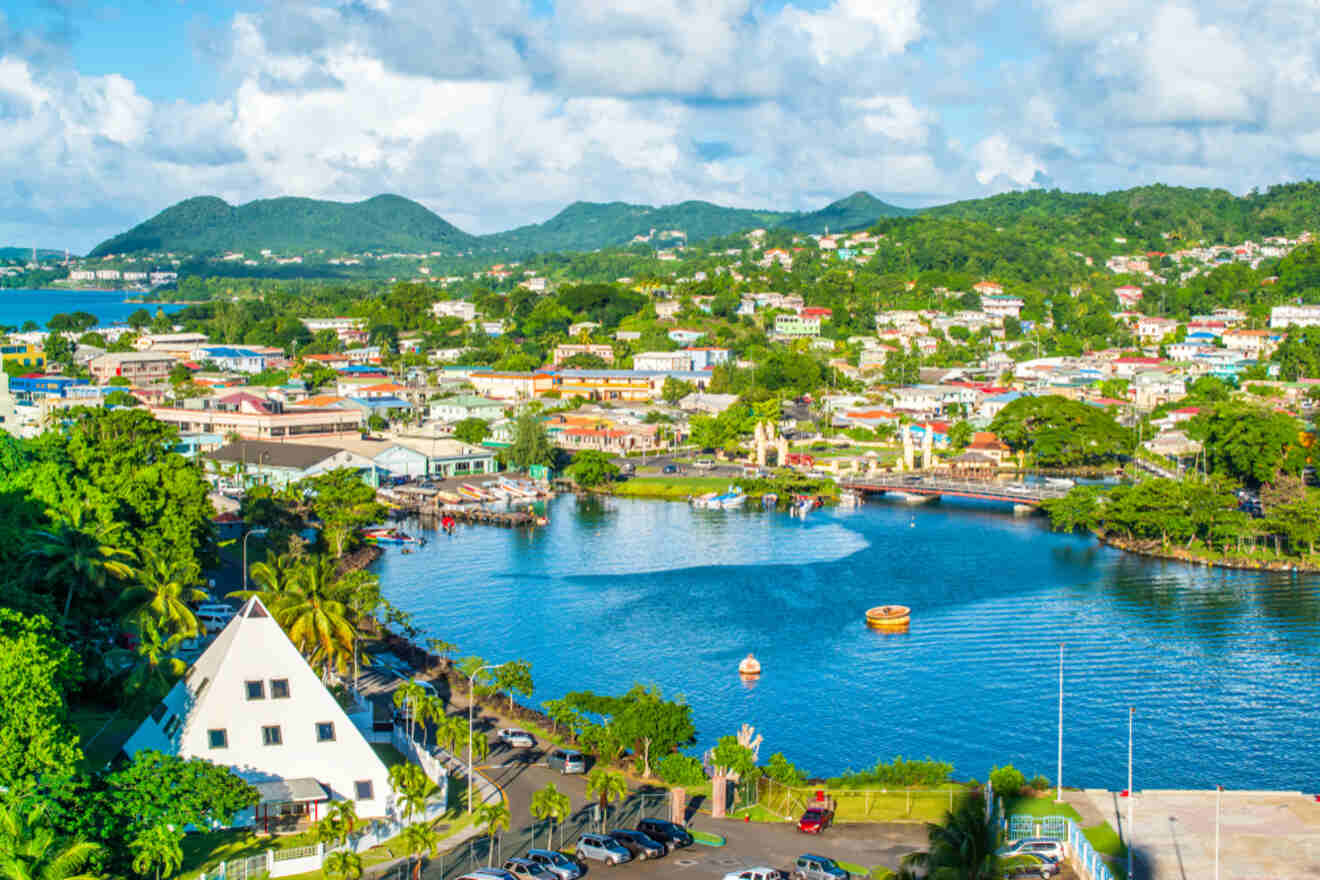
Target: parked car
489,873
556,863
755,874
627,469
1052,849
601,848
815,820
1030,865
637,843
527,869
214,615
813,867
671,834
515,738
670,469
567,761
704,464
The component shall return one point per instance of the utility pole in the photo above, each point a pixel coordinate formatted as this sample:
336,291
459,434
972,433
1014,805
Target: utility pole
1132,795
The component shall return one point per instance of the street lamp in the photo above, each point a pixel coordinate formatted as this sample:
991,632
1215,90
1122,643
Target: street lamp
472,699
260,532
1058,777
1131,794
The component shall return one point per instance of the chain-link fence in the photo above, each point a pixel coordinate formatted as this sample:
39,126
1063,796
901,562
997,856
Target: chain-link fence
486,850
862,805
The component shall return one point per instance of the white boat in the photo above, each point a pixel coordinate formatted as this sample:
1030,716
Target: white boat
705,502
732,500
1059,482
849,499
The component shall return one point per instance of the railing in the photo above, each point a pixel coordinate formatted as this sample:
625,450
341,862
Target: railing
1084,856
296,852
1007,491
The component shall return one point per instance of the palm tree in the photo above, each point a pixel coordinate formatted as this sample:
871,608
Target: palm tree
415,789
30,849
151,669
608,785
163,590
431,710
418,839
551,803
78,552
157,847
408,696
310,602
494,817
963,846
342,865
342,816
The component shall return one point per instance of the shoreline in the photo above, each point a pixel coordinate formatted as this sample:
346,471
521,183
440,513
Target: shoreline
1154,550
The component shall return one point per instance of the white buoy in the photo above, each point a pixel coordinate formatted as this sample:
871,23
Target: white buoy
749,666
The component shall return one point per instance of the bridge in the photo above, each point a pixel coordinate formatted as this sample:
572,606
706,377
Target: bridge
1029,494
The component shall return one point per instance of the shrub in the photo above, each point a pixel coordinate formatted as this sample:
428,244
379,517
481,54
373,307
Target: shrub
679,769
1039,782
897,774
784,772
1007,780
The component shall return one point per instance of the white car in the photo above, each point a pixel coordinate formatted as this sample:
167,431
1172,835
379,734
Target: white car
1050,849
517,739
755,874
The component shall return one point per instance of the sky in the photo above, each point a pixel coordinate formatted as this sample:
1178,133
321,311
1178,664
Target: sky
496,113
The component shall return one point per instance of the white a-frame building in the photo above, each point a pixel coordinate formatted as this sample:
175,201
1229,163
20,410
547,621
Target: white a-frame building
251,702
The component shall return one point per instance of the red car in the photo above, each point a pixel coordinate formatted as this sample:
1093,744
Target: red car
815,820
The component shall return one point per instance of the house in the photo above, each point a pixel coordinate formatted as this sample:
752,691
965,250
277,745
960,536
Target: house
263,463
177,344
999,306
667,309
1154,387
988,444
29,357
252,703
454,308
7,405
138,367
662,360
225,357
1151,328
988,288
466,406
705,357
685,337
1294,316
712,404
1128,295
582,327
600,350
796,326
257,425
503,386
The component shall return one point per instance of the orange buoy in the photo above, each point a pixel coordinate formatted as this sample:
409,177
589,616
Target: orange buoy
749,666
890,618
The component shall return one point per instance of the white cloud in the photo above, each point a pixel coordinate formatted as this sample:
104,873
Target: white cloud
998,158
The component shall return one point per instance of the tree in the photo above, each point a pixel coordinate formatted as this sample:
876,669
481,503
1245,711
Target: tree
342,864
344,504
83,553
531,445
675,390
157,847
963,846
515,677
591,467
473,430
653,724
494,817
415,789
408,696
164,591
339,821
732,757
1007,781
782,771
314,609
606,785
550,803
1249,443
419,839
1059,432
58,349
960,435
152,665
36,672
31,850
200,793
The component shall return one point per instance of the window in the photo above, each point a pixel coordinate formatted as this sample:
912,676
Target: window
279,688
219,739
201,687
270,736
158,712
363,789
256,690
172,726
325,731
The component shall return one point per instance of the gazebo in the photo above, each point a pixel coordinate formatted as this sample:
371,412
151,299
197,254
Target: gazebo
974,466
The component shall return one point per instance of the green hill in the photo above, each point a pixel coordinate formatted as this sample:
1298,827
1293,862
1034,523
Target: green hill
858,211
209,225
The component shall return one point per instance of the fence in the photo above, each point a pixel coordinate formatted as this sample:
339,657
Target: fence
479,851
1064,830
864,805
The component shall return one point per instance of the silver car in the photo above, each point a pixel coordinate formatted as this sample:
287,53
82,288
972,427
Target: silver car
601,848
566,761
556,863
526,869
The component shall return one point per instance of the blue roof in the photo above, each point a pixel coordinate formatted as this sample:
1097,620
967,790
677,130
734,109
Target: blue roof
229,352
381,402
1007,397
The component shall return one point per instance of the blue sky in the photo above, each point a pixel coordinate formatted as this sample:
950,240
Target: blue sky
495,113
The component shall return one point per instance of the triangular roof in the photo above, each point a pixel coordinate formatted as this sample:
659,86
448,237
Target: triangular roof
214,695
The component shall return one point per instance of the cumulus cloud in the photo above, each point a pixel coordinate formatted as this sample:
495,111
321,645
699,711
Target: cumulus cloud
498,113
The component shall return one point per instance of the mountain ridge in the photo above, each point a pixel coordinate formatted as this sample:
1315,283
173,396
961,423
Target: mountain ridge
208,225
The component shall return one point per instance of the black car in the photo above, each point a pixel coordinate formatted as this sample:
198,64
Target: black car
671,834
669,469
640,845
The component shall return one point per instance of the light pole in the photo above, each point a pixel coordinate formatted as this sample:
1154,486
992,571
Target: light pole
472,700
1058,776
260,532
1131,794
1219,793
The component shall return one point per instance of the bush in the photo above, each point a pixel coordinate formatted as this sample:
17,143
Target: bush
1007,780
781,770
1040,783
898,774
679,769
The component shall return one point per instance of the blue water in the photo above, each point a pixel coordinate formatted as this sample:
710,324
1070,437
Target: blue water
20,306
1222,667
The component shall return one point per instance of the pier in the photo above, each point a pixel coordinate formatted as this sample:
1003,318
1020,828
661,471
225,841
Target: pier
1027,494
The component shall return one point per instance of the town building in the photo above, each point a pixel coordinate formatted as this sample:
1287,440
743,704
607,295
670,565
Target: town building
662,360
265,463
466,406
251,703
1294,316
27,356
138,367
704,357
177,344
454,308
600,350
796,326
266,423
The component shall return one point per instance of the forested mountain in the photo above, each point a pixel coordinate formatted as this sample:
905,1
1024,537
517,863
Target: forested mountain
209,225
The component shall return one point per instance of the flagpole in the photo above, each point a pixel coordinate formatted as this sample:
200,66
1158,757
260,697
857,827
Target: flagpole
1058,775
1219,792
1132,795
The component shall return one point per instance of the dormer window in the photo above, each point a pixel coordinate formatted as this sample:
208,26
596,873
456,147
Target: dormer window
256,690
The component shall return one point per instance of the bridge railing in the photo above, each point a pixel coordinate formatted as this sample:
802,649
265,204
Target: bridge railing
979,487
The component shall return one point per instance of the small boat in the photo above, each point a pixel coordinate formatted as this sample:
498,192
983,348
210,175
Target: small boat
389,536
731,500
705,502
1059,482
769,500
850,499
749,666
472,493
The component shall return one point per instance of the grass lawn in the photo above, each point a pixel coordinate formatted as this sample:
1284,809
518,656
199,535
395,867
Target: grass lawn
876,804
672,488
389,754
757,813
208,850
1041,806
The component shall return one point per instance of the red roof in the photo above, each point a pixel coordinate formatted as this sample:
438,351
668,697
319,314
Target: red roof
1189,410
1138,360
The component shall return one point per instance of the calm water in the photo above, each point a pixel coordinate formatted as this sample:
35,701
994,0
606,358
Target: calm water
20,306
1222,667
